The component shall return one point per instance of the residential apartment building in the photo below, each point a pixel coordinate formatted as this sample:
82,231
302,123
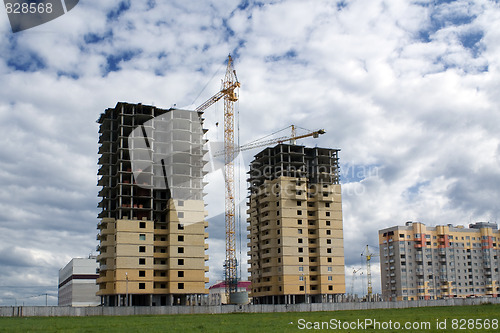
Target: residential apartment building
295,226
420,262
77,283
152,238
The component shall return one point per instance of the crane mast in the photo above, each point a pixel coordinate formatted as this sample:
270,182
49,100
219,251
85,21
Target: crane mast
366,253
227,91
230,265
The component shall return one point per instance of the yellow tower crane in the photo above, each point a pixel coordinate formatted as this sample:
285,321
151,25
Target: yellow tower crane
366,253
228,92
229,85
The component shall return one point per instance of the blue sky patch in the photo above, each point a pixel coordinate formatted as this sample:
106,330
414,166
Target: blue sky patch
290,54
471,40
341,5
357,172
93,38
26,61
442,17
113,61
122,7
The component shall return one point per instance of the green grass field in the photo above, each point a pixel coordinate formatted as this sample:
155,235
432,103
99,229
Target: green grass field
480,318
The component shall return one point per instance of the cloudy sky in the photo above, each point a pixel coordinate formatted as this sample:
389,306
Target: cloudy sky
408,90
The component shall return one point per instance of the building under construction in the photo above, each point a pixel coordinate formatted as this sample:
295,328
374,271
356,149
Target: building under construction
296,235
152,224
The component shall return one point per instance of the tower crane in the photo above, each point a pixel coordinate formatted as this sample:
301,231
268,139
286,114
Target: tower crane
227,91
366,253
354,271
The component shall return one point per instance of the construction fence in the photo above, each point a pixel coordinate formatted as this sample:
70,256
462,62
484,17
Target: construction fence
60,311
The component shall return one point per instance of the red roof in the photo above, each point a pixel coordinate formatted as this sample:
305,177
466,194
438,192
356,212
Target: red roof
241,284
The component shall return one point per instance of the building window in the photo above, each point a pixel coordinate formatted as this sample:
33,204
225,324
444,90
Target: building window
330,278
327,204
328,241
180,203
329,259
299,212
180,285
180,226
299,240
301,268
299,231
142,225
142,249
180,274
300,250
180,250
328,250
180,262
299,203
299,221
142,261
327,213
180,238
180,215
330,287
142,273
327,223
301,259
328,232
142,236
301,288
142,285
329,269
301,278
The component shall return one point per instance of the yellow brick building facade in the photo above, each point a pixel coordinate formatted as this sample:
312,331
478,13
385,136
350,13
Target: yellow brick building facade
295,226
152,238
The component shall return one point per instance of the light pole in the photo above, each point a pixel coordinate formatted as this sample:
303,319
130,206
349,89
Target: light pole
126,288
305,290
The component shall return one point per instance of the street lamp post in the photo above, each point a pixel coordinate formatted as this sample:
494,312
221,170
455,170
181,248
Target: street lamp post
305,290
126,288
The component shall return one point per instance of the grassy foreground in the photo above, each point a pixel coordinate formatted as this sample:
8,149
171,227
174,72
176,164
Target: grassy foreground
479,318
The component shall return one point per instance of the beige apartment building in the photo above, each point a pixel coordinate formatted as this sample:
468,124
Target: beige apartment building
295,226
152,238
418,262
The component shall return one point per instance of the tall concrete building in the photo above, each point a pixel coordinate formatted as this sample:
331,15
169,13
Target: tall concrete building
152,220
419,262
295,223
77,283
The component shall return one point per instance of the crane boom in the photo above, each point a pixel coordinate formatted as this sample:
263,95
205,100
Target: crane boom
257,144
229,91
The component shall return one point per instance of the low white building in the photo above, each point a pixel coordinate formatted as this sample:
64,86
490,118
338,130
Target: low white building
217,292
77,283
